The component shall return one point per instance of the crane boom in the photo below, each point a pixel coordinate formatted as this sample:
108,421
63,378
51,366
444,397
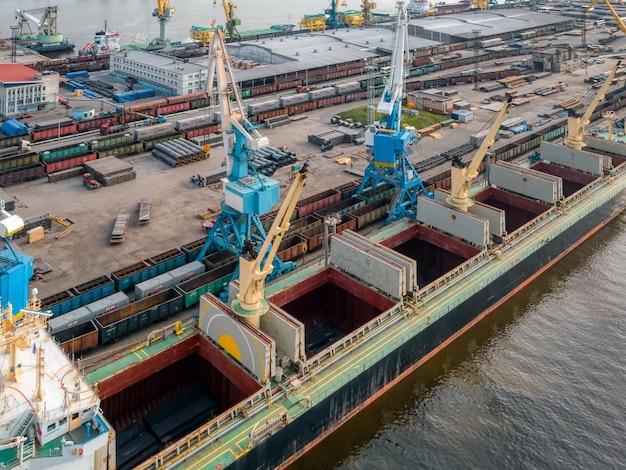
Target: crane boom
255,267
393,93
462,174
233,120
615,14
576,124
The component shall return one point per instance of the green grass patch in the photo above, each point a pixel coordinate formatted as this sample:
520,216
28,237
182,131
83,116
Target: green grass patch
424,119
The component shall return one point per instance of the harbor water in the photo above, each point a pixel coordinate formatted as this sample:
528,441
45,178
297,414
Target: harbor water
538,384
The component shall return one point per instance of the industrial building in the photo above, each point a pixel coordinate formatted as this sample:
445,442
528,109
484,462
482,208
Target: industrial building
24,90
433,101
315,57
161,72
479,25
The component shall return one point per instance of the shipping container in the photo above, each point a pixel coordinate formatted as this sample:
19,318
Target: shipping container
263,106
149,132
213,281
297,98
168,279
322,93
87,312
126,320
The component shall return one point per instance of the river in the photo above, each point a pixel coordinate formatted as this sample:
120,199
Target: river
538,384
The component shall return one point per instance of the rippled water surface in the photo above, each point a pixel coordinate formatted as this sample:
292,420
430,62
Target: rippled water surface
539,384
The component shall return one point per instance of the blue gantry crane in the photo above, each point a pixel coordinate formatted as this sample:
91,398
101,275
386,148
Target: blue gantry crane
390,142
16,268
246,195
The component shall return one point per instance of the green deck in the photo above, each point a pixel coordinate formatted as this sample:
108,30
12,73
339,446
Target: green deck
137,356
229,437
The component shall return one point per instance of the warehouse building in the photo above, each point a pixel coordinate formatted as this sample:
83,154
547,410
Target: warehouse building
505,24
161,72
24,90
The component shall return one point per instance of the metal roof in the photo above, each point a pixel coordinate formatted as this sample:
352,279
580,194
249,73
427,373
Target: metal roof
298,52
162,62
17,73
489,23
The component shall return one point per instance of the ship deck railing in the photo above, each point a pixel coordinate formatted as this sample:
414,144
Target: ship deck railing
210,432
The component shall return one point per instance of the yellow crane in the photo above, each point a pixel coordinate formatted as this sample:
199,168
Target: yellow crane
615,14
463,174
254,266
204,34
231,21
367,7
164,13
576,124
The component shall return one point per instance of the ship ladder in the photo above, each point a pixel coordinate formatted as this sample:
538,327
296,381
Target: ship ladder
27,418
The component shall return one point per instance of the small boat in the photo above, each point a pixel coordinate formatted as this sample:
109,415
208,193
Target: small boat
104,42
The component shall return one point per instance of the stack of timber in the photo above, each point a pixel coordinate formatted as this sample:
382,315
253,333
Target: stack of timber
145,212
65,174
111,170
179,152
35,234
119,228
34,221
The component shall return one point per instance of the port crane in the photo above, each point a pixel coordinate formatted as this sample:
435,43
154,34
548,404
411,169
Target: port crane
231,21
246,196
255,267
574,134
46,25
391,142
462,174
16,268
615,14
164,13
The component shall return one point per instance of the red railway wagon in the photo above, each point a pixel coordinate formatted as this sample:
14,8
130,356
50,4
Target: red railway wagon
96,123
173,108
72,162
44,133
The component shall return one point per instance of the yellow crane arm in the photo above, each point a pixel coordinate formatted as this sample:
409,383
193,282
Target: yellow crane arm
225,5
615,14
255,267
462,174
576,124
162,5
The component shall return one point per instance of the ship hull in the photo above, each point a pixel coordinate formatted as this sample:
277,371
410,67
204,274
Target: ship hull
324,417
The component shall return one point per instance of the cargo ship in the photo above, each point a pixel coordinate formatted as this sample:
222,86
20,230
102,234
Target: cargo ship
222,391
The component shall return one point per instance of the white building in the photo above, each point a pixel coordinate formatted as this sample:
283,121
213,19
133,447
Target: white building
158,71
24,90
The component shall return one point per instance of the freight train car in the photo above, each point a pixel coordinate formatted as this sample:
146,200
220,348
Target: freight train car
126,320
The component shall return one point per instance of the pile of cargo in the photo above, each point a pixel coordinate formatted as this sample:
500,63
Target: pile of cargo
110,170
208,177
179,152
269,159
